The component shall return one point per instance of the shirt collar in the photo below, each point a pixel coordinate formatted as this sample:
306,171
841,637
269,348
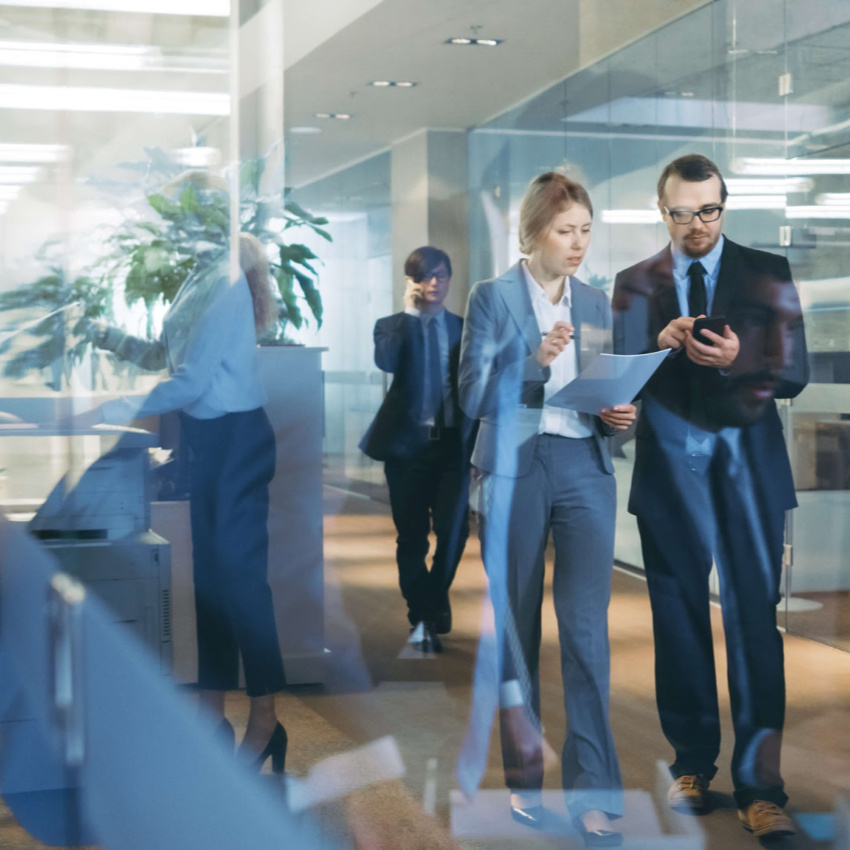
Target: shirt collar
710,262
535,290
415,311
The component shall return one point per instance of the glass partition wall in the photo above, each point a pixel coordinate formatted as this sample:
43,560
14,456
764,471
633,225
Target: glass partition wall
762,89
102,111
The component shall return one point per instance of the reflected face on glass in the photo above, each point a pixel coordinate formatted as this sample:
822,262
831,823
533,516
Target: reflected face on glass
435,285
766,322
698,237
560,250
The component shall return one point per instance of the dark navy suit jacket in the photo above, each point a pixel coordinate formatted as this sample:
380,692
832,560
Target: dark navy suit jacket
399,350
644,303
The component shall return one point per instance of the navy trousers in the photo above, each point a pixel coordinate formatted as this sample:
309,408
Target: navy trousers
431,488
232,463
713,514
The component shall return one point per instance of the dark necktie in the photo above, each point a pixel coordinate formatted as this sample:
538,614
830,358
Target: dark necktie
435,372
697,301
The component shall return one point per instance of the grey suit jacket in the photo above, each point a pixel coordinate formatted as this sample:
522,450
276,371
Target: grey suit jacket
500,381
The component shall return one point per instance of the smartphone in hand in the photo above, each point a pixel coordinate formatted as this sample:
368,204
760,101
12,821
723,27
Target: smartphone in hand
715,324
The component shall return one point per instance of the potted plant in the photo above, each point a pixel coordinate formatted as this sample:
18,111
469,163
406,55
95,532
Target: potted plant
150,254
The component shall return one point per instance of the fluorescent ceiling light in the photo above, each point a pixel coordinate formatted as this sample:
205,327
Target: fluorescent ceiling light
105,57
833,199
197,157
305,131
80,99
205,8
789,167
818,212
475,42
339,116
32,153
767,186
11,174
9,193
401,84
755,202
630,216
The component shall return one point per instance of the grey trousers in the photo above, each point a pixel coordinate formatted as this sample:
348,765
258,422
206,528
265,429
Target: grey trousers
567,492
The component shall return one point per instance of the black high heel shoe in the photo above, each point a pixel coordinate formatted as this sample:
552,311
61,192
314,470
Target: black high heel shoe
276,748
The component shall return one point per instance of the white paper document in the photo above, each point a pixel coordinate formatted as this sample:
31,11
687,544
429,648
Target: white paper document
611,379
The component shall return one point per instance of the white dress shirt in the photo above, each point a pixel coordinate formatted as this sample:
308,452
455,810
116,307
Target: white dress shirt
564,368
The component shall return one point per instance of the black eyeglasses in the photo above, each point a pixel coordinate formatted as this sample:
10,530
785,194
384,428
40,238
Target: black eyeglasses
442,277
686,216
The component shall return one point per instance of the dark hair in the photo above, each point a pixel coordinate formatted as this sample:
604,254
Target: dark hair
547,196
424,261
694,168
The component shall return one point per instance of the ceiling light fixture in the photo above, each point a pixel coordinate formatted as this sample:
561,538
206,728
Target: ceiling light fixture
755,202
475,42
107,57
32,153
197,157
338,116
96,99
767,186
400,84
200,8
14,174
789,167
305,131
631,216
832,199
825,211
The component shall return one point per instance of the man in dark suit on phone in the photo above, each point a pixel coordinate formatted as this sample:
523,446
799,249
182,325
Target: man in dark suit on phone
712,482
425,441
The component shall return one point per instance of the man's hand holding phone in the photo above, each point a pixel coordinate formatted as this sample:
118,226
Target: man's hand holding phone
719,346
412,297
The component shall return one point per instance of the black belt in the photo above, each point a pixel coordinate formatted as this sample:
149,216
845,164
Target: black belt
437,432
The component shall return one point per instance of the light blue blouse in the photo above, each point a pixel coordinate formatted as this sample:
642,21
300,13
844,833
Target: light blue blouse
210,349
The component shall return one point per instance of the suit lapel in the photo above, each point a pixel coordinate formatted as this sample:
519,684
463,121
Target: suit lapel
514,291
665,296
579,316
454,324
724,293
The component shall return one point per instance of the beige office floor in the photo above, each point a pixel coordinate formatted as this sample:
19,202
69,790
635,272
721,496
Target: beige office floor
423,703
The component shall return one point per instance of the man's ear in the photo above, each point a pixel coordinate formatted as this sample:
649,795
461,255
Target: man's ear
661,208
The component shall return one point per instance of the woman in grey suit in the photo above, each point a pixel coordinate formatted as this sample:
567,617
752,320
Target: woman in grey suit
546,468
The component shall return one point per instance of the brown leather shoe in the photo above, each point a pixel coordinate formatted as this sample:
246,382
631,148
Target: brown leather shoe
689,793
765,820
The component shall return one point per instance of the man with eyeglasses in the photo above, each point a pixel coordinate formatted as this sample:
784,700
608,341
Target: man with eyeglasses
711,484
425,441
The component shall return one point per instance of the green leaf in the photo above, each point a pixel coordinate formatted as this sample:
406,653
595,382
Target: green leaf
164,206
189,200
287,294
323,233
312,296
299,211
296,253
250,173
